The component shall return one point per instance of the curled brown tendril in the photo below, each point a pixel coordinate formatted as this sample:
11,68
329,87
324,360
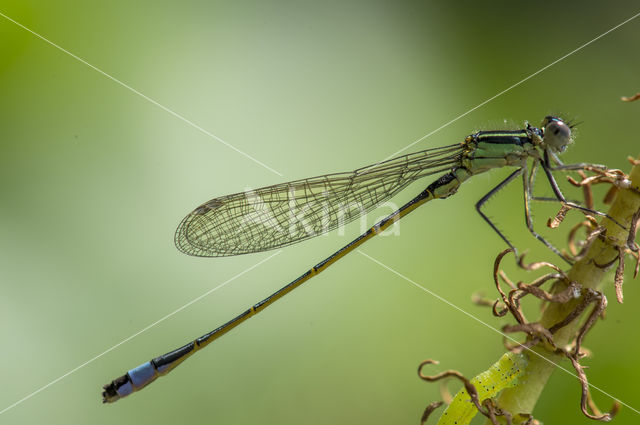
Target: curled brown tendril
478,298
487,407
593,232
537,333
471,389
429,410
619,276
511,300
630,98
538,265
559,218
586,401
618,180
632,246
620,259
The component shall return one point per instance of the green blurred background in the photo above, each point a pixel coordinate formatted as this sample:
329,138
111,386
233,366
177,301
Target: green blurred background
94,180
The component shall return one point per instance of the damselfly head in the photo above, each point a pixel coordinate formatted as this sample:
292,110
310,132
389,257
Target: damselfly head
556,133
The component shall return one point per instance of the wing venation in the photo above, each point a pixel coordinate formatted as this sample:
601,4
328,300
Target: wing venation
280,215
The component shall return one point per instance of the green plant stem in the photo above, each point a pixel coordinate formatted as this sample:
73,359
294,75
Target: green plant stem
522,398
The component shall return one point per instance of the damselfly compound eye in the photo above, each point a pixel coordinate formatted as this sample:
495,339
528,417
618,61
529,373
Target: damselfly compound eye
557,133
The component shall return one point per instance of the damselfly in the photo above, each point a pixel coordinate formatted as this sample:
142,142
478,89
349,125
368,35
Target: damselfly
284,214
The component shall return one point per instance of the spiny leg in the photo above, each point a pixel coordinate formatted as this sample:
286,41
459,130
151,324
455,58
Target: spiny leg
556,190
486,197
532,177
569,167
584,166
560,166
527,185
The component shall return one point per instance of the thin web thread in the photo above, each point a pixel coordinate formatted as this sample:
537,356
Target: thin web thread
511,87
146,328
145,97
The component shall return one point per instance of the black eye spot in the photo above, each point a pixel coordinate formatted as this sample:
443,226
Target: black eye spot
556,131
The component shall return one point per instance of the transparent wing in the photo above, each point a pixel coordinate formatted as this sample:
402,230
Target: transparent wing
283,214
